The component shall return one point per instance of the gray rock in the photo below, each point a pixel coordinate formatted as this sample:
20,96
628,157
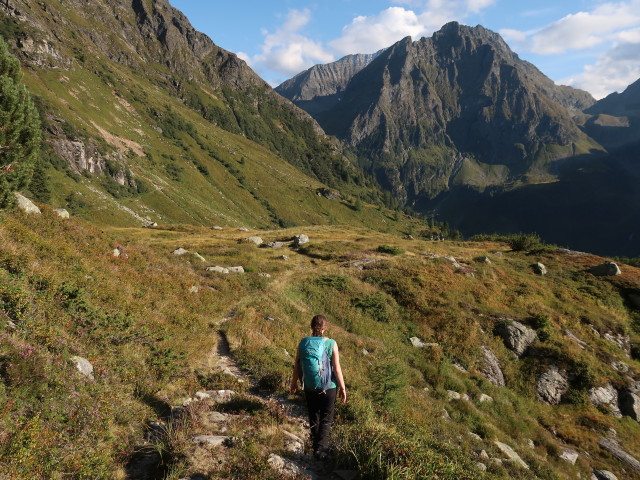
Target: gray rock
491,369
119,252
475,436
365,352
516,336
540,269
484,259
62,213
83,366
211,440
236,269
451,395
244,229
194,289
484,398
180,251
573,337
360,264
607,396
217,269
619,366
530,443
568,455
511,454
629,402
300,240
481,466
603,475
218,417
621,340
255,240
552,384
283,257
483,454
216,228
416,342
606,269
265,275
614,448
284,465
151,225
292,443
328,193
26,205
459,367
273,245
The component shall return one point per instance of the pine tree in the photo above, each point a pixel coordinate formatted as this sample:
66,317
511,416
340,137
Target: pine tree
19,129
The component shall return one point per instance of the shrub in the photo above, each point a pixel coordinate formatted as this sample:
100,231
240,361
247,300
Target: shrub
388,381
375,306
520,242
338,282
390,250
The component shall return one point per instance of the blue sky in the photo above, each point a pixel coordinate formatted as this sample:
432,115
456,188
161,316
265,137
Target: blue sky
589,44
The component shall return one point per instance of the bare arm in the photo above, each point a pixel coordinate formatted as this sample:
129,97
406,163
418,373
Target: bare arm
337,370
296,374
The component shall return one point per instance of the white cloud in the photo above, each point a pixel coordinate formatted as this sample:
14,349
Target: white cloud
286,50
613,71
369,34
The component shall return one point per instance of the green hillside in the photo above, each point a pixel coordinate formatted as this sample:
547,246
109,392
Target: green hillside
152,325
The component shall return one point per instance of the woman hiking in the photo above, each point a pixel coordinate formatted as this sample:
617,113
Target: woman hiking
318,366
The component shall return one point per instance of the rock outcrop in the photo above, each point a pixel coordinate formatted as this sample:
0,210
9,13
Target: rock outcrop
26,205
491,369
614,448
517,337
552,384
606,396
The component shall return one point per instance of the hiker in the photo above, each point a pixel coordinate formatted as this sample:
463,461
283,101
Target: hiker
318,366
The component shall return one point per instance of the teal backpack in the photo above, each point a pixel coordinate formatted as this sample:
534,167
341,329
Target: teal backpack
315,363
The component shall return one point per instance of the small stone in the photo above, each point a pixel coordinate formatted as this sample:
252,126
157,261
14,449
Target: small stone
552,384
273,245
244,229
265,275
483,454
603,475
445,415
475,436
151,225
62,213
255,240
194,289
484,259
202,395
365,352
211,440
180,251
11,325
540,269
283,465
484,398
481,466
416,342
83,366
218,417
216,228
236,269
459,367
26,205
409,237
530,443
220,396
452,395
217,269
283,257
619,366
568,455
511,454
292,443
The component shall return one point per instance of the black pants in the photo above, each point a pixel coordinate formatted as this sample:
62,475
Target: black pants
321,406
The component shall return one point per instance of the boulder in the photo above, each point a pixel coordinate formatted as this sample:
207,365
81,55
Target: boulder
62,213
211,440
491,369
180,251
416,342
603,475
218,417
606,269
606,396
26,205
300,240
511,454
540,269
614,448
451,395
517,337
328,193
629,402
552,384
217,269
83,366
236,269
568,455
255,240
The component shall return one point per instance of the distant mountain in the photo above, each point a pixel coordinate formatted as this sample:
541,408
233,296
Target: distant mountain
459,127
320,88
146,118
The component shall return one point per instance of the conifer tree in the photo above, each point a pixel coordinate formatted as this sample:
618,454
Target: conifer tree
19,129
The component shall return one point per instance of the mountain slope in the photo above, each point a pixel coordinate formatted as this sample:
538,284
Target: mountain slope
146,119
